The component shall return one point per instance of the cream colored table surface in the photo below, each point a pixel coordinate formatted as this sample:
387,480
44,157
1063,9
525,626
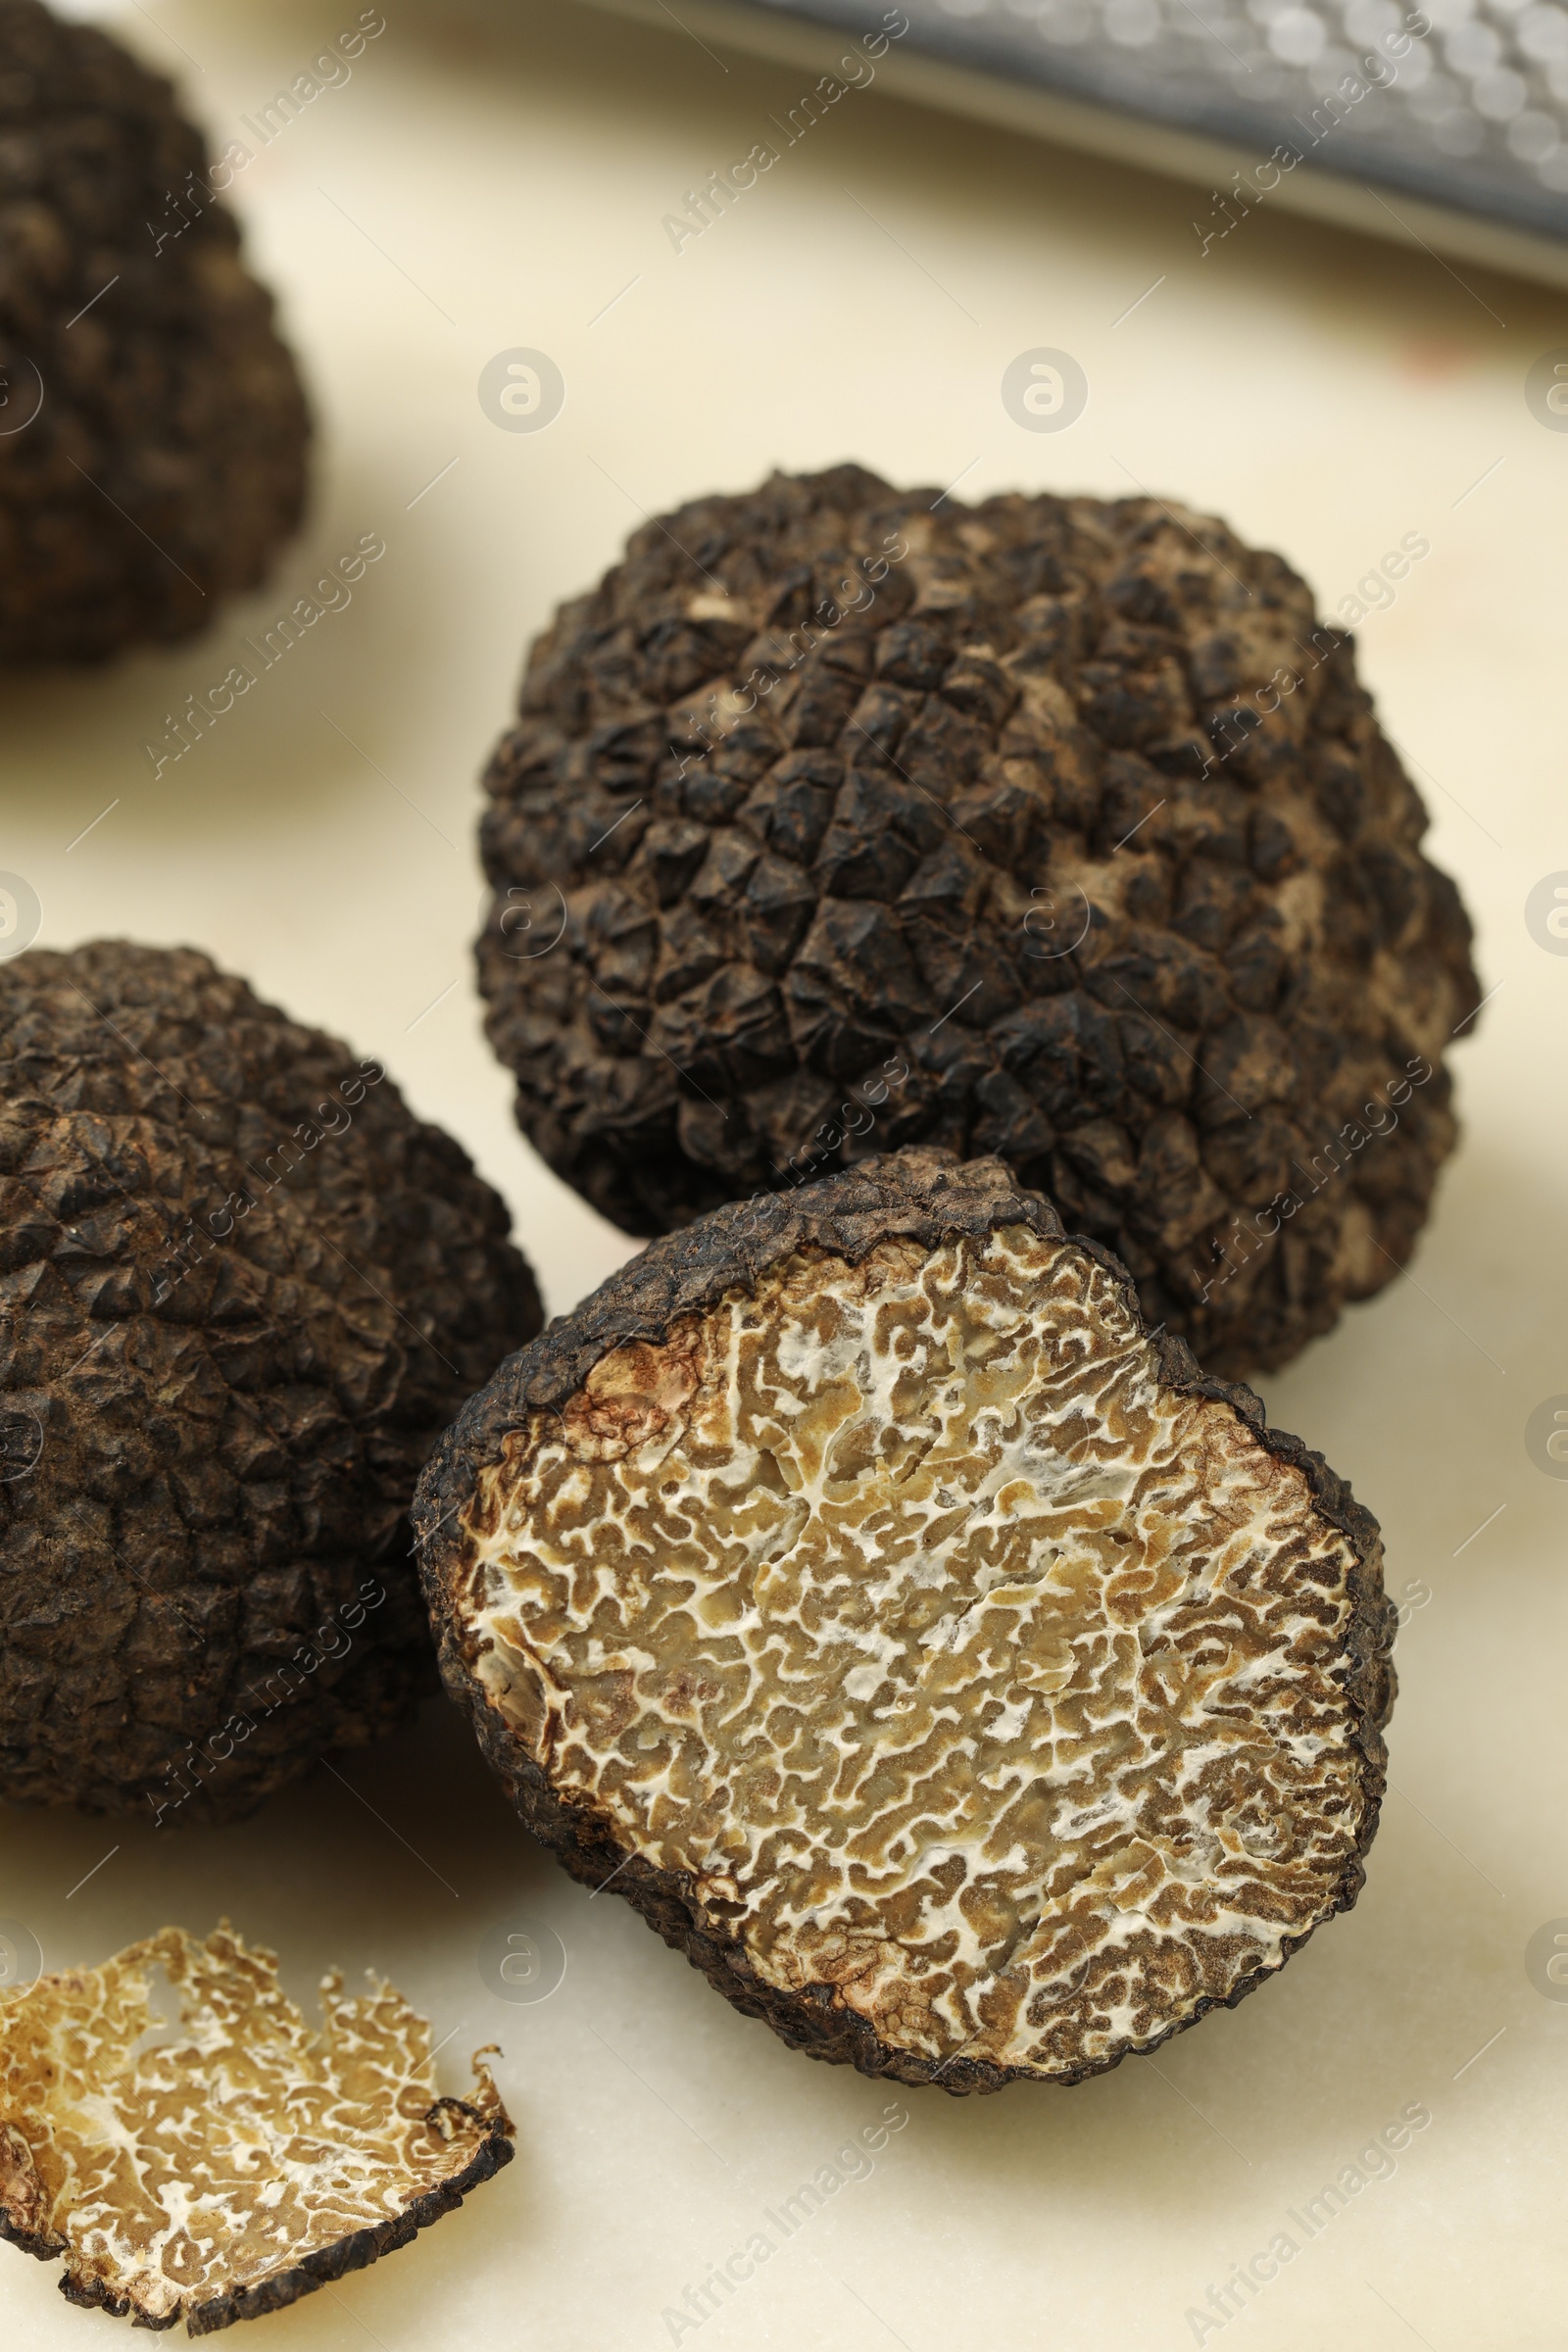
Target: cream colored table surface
493,177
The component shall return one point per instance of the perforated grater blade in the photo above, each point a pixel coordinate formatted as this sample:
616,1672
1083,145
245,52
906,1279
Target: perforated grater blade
1447,121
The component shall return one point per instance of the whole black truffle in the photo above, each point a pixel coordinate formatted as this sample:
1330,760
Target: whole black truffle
241,1291
839,817
973,1689
151,429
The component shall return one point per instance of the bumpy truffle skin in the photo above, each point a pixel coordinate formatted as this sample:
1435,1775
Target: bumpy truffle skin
838,818
154,430
481,1492
241,1290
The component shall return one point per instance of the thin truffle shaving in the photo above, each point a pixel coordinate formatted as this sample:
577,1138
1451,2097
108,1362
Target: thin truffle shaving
957,1661
241,2162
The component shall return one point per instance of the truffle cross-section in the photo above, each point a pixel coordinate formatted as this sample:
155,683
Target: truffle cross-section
975,1689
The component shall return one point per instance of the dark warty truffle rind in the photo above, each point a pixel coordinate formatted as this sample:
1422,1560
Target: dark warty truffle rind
241,1291
153,450
1052,827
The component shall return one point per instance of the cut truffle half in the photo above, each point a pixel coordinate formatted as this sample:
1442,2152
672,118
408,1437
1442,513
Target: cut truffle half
975,1689
240,2163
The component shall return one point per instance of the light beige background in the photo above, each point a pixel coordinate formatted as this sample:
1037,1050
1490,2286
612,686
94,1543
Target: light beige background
502,174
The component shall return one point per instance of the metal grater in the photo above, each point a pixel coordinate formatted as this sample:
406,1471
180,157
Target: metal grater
1459,107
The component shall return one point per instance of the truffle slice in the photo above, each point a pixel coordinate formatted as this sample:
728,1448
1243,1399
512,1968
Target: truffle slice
975,1689
242,2163
153,430
243,1290
838,818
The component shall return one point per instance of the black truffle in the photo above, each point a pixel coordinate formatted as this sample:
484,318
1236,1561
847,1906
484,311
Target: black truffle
241,1291
838,818
152,429
973,1689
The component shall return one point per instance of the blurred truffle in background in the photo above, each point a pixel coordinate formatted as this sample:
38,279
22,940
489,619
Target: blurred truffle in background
153,427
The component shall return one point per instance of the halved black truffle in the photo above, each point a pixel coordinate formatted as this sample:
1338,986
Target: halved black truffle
974,1690
153,430
241,1291
839,817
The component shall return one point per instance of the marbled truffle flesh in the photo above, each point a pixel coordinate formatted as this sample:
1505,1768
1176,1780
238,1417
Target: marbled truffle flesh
226,2170
153,431
976,1691
242,1289
838,818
